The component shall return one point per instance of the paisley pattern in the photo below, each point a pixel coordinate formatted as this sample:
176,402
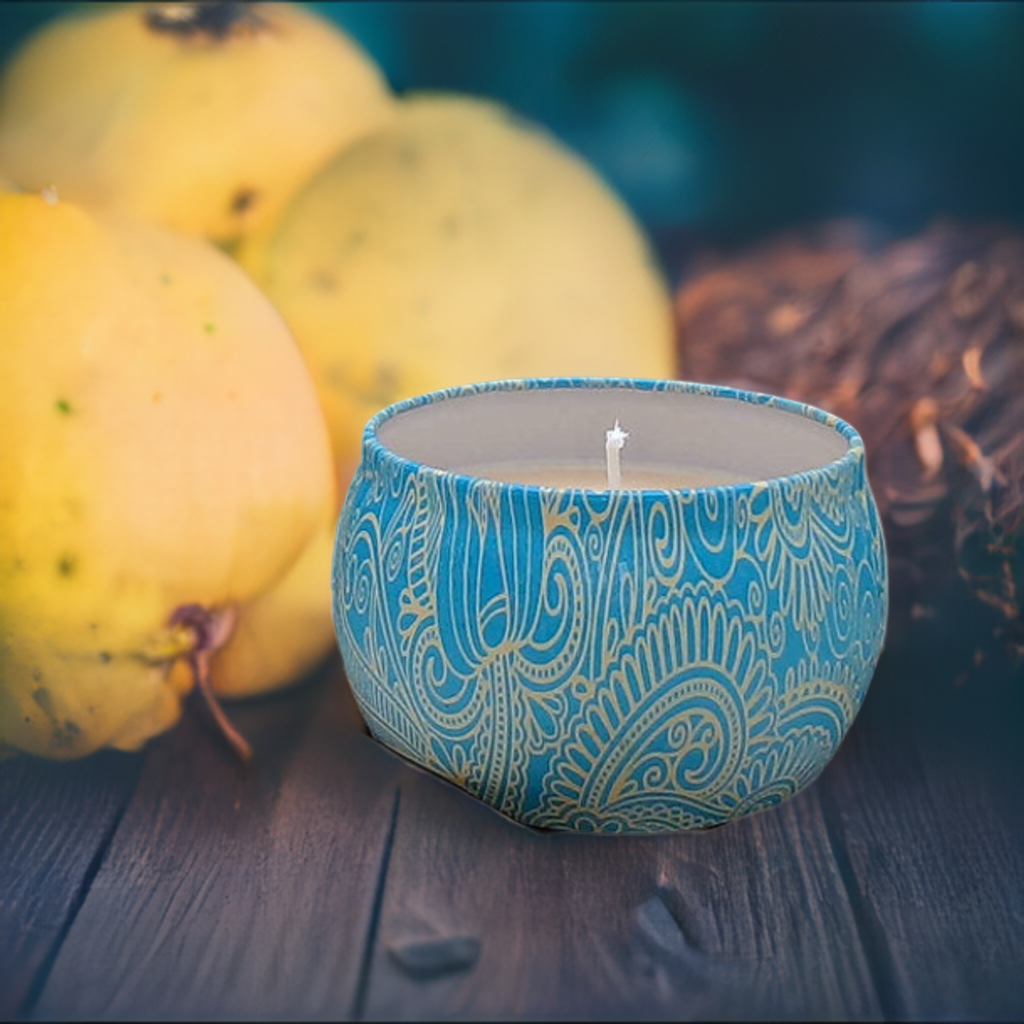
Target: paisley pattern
611,661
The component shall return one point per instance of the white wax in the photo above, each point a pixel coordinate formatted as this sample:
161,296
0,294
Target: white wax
715,435
595,477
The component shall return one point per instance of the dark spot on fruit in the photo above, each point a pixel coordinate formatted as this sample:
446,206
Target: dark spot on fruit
64,407
45,701
165,278
243,200
105,656
450,227
19,564
209,328
37,675
27,719
67,566
407,155
65,735
322,281
94,625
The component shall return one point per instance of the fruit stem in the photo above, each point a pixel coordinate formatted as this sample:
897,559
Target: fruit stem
211,630
216,19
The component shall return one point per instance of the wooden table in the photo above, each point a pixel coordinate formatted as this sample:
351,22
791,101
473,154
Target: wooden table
334,880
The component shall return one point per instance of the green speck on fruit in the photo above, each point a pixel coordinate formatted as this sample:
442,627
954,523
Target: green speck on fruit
209,328
165,278
67,565
64,407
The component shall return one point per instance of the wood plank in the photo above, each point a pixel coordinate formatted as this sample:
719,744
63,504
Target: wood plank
482,918
229,893
935,858
56,822
221,894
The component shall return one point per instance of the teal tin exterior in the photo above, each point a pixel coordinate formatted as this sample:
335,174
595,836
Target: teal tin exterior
611,661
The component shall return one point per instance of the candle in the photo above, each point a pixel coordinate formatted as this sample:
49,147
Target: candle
653,644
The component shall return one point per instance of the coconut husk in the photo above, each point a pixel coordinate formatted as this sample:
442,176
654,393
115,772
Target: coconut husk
919,343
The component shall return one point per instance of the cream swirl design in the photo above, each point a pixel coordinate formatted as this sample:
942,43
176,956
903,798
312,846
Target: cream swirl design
612,661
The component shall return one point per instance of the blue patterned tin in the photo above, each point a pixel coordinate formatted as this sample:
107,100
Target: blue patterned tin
611,661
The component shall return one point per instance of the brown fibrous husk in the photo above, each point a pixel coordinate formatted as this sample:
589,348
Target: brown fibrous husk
918,342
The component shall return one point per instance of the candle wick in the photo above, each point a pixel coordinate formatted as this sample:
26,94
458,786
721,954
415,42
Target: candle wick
614,440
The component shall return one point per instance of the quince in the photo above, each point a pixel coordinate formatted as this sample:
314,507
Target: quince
163,461
204,117
458,244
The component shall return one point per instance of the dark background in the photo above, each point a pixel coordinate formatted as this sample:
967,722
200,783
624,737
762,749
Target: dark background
729,120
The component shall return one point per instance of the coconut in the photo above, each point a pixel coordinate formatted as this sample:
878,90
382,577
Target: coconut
919,343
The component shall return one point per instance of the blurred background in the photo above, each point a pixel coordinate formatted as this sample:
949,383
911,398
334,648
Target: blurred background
725,121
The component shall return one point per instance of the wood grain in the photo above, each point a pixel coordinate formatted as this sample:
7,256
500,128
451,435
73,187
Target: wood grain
56,821
229,893
334,880
929,832
749,920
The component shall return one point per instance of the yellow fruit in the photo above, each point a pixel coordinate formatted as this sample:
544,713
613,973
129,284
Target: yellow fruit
201,116
163,460
458,244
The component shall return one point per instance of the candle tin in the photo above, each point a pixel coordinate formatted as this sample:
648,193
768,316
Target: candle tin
611,661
